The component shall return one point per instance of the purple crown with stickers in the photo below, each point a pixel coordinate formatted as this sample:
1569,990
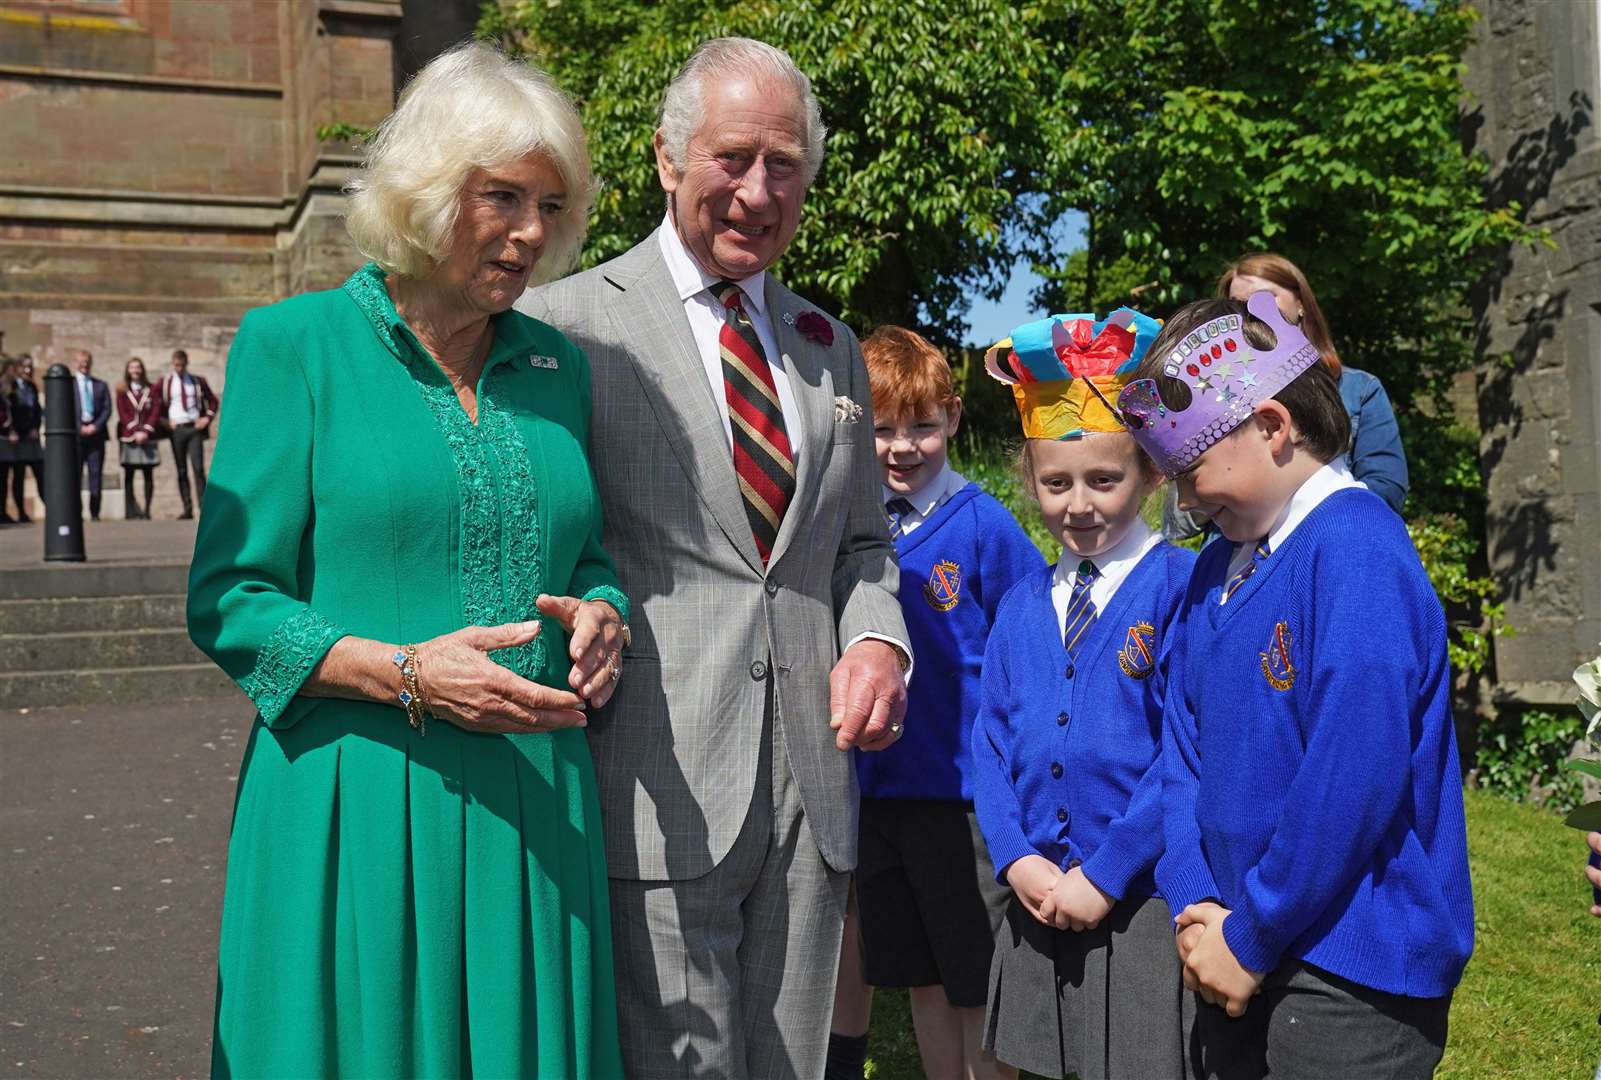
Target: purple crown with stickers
1227,377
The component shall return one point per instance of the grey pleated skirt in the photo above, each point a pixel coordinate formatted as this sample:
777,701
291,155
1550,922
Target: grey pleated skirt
141,454
1106,1004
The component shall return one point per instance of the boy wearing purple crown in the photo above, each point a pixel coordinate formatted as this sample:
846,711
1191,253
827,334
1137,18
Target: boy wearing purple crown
1315,843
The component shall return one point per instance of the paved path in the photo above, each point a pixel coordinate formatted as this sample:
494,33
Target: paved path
143,542
113,832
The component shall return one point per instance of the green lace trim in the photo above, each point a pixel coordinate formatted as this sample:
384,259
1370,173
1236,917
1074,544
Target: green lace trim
283,663
366,288
502,561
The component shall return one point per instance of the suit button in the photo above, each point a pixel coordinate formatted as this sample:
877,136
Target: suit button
1069,671
1061,814
1061,719
772,587
1056,770
758,670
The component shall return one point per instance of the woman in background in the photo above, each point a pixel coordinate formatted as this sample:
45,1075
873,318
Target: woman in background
138,413
25,451
1376,456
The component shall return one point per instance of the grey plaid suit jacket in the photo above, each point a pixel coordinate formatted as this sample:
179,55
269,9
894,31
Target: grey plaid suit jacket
676,748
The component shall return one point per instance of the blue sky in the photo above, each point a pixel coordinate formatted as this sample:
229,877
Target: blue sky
990,320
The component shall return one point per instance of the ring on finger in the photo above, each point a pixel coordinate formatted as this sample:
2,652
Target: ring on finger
614,665
895,729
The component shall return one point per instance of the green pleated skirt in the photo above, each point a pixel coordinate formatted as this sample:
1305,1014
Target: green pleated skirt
400,905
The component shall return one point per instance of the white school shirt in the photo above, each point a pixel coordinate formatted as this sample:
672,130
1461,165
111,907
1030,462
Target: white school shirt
173,390
1114,566
927,499
706,324
1335,476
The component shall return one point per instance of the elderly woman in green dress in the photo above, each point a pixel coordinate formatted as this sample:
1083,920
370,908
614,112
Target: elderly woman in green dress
399,563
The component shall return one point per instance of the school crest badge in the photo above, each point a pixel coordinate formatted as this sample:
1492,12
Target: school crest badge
944,586
1137,657
1276,665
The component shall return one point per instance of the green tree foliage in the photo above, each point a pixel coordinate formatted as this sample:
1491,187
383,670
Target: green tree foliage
941,117
1327,130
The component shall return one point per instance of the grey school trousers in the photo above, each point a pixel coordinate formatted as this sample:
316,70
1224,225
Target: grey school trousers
1308,1024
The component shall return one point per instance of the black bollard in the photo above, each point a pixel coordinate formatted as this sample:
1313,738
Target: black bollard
63,509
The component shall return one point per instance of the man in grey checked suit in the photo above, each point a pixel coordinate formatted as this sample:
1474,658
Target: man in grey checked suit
727,789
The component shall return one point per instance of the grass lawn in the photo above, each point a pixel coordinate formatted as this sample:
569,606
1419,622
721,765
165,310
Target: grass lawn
1527,1006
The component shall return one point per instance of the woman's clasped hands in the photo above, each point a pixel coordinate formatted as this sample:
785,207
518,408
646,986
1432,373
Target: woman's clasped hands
461,684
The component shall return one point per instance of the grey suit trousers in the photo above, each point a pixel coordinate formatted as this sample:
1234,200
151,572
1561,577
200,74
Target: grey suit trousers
720,975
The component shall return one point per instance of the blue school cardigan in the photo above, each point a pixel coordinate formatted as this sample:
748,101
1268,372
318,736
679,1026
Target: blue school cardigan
1310,761
980,552
1065,751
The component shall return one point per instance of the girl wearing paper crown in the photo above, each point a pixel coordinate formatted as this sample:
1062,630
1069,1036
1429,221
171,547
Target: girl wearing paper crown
1068,793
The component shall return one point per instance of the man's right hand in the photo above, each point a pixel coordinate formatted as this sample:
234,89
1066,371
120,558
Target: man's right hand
86,430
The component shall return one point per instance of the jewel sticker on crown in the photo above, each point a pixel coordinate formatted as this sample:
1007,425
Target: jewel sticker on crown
1227,377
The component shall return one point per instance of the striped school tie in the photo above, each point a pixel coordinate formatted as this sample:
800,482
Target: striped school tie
1080,608
894,510
763,458
1243,573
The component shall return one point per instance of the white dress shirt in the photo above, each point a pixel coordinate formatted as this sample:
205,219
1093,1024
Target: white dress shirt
1335,476
927,499
706,324
1115,565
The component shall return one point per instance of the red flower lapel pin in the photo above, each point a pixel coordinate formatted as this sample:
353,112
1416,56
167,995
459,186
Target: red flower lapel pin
815,328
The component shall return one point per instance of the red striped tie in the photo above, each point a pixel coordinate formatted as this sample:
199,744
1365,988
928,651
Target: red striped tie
763,459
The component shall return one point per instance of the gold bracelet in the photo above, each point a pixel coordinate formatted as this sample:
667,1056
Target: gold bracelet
405,658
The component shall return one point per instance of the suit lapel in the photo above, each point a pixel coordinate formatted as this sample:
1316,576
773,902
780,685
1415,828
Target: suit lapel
674,380
812,385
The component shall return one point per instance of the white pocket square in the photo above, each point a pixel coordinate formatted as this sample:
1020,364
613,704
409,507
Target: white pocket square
846,411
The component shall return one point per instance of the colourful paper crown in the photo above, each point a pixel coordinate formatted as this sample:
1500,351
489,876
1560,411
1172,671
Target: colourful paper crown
1227,377
1066,371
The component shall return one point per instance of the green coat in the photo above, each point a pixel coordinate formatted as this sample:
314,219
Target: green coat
399,904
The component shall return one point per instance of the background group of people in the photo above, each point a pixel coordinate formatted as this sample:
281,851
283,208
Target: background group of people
178,408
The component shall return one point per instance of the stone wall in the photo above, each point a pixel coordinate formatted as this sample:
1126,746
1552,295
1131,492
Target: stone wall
163,161
1534,77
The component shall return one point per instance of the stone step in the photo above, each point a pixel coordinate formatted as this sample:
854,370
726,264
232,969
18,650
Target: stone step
82,614
97,649
93,579
117,686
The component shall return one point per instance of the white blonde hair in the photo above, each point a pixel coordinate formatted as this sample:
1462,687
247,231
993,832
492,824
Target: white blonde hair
471,107
682,105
